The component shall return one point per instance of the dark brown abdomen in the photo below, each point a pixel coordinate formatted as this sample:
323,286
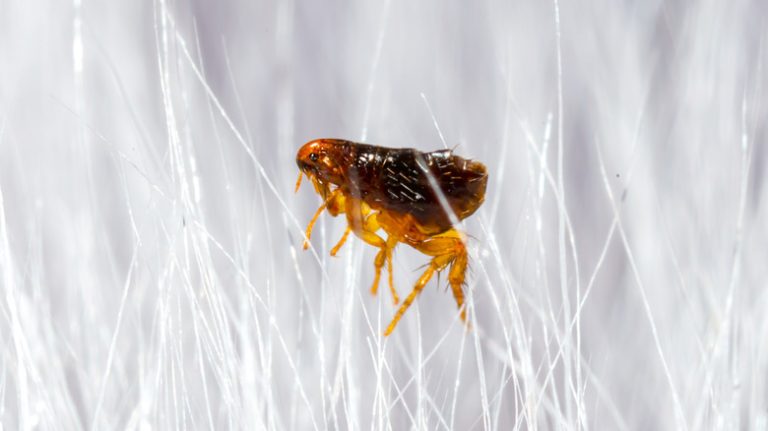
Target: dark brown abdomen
399,180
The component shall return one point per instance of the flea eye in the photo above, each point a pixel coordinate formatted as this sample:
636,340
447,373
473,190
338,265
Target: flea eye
313,157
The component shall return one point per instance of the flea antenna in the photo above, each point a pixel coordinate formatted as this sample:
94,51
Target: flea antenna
298,181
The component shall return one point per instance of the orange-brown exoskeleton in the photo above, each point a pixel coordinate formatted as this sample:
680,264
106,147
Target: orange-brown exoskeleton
403,192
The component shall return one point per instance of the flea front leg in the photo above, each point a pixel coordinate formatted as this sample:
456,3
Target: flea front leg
334,204
354,212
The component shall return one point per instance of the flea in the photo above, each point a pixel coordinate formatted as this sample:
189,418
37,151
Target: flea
404,193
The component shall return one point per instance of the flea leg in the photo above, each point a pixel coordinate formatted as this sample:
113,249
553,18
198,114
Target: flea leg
365,224
383,256
378,262
436,264
411,297
447,249
336,203
332,203
312,224
341,242
456,280
391,243
368,234
451,244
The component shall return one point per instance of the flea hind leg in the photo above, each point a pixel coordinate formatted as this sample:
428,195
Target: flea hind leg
451,245
436,264
447,249
456,280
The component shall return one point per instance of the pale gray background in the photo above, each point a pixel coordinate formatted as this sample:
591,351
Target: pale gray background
150,240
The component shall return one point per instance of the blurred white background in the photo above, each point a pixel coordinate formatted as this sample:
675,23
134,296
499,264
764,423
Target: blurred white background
150,239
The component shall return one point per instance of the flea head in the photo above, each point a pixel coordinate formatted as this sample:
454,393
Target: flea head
322,160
